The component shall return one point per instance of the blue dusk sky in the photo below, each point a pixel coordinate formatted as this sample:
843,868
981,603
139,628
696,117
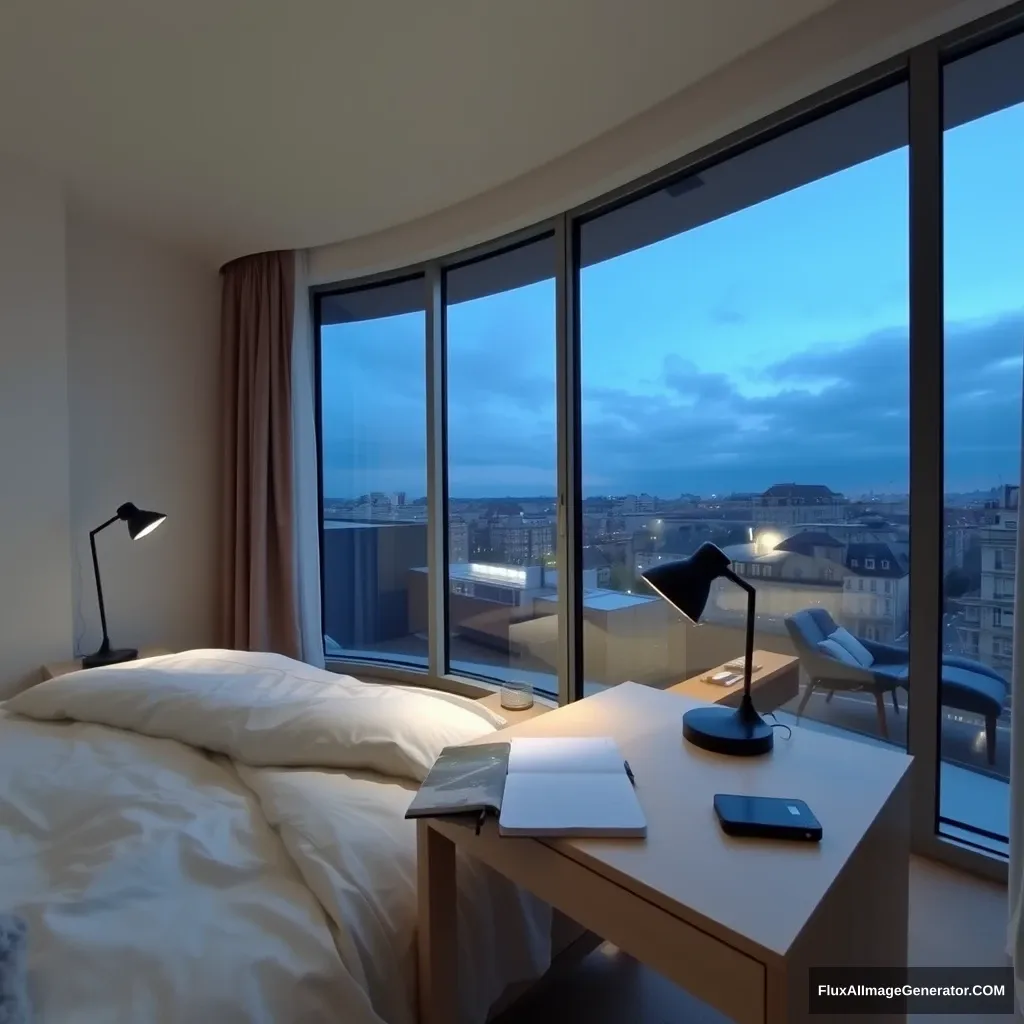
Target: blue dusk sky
767,346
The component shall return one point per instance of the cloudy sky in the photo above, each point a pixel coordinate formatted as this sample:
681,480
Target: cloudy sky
769,345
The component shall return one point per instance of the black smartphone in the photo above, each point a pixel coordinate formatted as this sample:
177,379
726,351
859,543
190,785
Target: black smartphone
766,817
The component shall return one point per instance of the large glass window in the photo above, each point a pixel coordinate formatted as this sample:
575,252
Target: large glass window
744,379
502,607
983,158
745,382
374,472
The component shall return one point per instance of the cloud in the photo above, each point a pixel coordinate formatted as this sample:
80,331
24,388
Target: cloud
837,415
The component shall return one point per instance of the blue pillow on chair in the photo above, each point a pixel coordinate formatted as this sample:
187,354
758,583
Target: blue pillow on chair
836,650
860,654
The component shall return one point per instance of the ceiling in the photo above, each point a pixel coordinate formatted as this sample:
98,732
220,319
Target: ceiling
233,126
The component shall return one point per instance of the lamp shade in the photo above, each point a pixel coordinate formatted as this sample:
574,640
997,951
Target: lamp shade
685,584
140,522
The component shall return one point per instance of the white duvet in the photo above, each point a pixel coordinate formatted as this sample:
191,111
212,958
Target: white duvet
218,836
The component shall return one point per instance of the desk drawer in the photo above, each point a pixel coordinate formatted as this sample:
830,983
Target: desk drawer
709,969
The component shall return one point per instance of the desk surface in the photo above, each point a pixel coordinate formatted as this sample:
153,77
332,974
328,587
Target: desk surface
757,896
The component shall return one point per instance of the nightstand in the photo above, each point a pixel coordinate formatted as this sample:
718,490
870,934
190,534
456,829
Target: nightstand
62,668
493,703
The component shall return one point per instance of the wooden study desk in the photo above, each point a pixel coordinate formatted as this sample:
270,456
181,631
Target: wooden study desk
735,922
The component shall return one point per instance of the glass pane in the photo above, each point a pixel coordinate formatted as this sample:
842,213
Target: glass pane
745,383
373,427
502,607
983,160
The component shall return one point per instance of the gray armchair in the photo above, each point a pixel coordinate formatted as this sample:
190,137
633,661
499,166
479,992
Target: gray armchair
808,628
967,685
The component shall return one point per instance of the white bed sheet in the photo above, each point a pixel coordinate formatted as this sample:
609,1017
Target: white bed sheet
163,882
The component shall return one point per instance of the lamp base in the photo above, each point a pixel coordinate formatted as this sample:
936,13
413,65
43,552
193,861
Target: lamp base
728,731
110,656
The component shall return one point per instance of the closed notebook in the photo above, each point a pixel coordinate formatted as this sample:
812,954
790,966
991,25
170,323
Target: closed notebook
569,786
463,780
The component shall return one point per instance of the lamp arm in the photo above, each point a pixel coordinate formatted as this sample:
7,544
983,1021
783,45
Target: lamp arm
747,707
105,646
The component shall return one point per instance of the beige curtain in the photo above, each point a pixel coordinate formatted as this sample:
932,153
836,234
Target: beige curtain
257,309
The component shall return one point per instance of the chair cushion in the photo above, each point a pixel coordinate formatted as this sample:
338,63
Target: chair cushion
836,650
898,672
860,654
810,626
972,691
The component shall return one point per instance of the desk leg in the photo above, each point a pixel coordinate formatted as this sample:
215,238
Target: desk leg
437,938
863,920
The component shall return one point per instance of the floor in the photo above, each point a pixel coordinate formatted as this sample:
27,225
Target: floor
955,920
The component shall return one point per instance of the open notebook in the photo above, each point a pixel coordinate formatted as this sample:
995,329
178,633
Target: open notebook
549,786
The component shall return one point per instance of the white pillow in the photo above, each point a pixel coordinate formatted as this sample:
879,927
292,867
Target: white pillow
860,654
266,710
837,651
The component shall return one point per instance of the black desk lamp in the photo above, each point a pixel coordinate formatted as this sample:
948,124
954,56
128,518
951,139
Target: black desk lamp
140,523
686,585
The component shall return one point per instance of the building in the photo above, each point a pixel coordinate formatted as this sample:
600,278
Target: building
458,539
804,571
595,559
792,504
522,540
867,529
365,567
986,630
876,592
633,504
505,617
488,604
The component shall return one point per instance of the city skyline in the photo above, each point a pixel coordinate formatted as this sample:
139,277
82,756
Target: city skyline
966,500
766,346
420,499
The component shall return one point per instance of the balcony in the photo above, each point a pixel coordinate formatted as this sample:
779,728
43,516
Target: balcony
972,792
630,637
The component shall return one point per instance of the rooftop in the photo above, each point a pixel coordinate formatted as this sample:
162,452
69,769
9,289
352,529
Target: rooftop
599,599
749,553
803,492
805,542
885,561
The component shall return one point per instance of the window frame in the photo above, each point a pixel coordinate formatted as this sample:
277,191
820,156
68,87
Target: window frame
922,68
440,664
391,668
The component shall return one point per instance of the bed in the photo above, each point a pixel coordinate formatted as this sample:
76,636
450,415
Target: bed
218,835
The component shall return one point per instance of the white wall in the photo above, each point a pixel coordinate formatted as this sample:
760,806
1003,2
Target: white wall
108,393
143,373
35,564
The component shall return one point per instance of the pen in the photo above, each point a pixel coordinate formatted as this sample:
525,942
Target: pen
629,772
